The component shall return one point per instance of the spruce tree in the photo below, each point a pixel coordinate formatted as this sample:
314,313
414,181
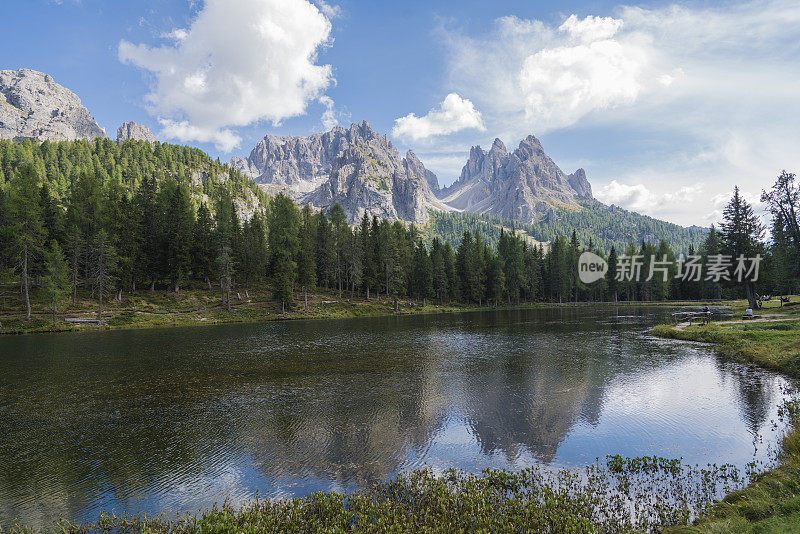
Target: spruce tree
284,225
306,260
55,281
741,233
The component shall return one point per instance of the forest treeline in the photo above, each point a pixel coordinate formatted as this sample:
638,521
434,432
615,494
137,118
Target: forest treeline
92,225
605,226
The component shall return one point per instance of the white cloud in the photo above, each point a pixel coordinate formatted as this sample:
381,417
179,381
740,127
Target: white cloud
661,97
640,198
239,62
590,29
330,11
453,115
329,117
633,197
545,77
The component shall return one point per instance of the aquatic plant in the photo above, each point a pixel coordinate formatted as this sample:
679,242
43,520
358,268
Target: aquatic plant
618,495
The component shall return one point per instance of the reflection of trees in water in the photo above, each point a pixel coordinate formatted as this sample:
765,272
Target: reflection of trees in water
756,393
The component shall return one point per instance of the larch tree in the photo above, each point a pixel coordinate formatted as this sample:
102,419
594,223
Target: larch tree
28,227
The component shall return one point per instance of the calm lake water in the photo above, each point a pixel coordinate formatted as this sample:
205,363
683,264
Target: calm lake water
178,419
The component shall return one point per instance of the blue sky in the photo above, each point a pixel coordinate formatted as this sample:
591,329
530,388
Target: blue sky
666,105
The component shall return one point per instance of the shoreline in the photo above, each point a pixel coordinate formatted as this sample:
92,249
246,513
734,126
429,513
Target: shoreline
771,503
144,310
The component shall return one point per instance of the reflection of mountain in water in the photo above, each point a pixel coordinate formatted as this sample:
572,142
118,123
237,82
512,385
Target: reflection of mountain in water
177,419
532,397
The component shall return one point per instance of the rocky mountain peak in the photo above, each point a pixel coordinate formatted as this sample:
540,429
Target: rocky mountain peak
498,147
524,185
34,106
136,132
529,147
580,184
414,167
355,167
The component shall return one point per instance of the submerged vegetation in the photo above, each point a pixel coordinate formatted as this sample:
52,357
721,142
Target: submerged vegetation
644,494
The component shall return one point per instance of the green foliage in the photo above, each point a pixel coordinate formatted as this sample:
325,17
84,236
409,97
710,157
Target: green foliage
645,494
55,282
603,226
284,226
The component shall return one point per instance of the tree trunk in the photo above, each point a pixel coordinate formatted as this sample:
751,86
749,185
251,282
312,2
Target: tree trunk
751,296
74,287
283,307
209,283
152,285
25,283
228,298
176,287
305,296
54,313
100,303
133,286
367,292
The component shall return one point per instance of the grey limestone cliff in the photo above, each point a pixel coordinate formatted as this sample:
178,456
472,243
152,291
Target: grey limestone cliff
355,167
136,132
34,106
523,185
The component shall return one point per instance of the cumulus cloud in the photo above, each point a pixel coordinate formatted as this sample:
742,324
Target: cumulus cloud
239,62
658,96
554,76
640,198
633,197
452,115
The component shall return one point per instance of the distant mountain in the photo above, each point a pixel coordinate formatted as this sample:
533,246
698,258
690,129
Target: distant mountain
521,186
355,167
130,131
34,106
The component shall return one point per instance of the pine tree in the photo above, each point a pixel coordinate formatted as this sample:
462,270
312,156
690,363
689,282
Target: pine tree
341,237
56,277
306,261
103,262
741,233
325,248
422,272
611,275
284,224
178,227
203,249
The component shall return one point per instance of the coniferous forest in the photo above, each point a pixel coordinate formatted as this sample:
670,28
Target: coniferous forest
108,219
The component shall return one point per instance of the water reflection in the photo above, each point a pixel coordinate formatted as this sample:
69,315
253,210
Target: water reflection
180,418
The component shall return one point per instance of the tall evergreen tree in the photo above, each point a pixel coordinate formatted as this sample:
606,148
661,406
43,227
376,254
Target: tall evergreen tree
741,233
203,248
284,224
28,227
56,277
306,260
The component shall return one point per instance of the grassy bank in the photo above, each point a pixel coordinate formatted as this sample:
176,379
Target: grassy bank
196,306
771,340
772,502
144,309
